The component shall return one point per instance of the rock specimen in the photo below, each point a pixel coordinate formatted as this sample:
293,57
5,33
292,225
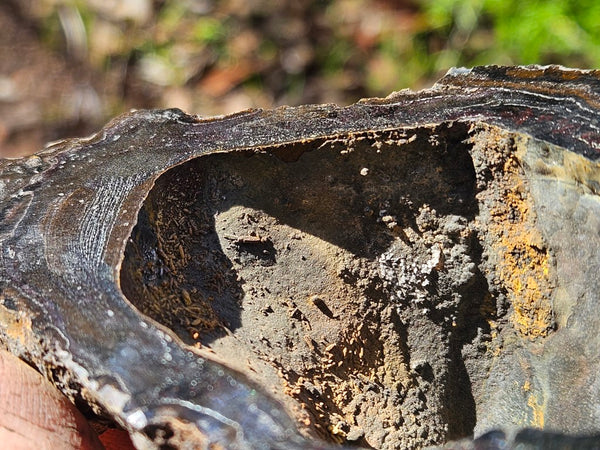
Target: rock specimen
397,273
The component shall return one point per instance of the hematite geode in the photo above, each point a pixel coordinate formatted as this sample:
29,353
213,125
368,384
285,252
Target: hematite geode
401,272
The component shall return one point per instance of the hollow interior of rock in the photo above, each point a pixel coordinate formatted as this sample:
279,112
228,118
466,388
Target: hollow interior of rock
343,275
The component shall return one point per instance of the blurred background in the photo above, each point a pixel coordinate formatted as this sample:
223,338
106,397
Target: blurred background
68,66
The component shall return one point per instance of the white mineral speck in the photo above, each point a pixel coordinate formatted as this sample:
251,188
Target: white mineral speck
116,398
364,171
33,162
137,419
110,313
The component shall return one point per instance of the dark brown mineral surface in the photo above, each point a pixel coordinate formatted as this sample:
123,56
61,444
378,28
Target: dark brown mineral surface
399,273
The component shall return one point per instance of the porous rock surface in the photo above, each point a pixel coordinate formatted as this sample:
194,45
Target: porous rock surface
399,273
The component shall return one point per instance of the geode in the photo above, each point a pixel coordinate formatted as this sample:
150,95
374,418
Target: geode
398,273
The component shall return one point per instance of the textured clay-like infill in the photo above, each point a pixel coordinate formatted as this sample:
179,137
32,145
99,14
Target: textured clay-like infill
361,281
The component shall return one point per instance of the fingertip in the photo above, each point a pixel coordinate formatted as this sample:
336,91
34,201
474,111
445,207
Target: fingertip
34,414
113,439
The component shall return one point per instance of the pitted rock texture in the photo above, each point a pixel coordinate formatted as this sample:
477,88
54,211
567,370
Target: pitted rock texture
399,273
